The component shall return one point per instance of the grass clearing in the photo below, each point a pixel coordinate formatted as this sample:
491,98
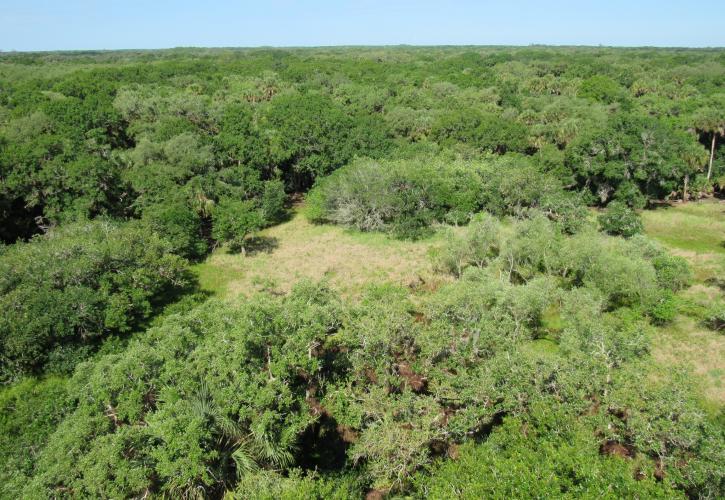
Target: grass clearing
297,249
695,231
687,344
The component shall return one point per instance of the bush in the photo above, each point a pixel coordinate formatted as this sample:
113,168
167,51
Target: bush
403,197
406,197
272,202
514,186
665,423
477,246
620,220
29,413
565,209
664,308
673,272
208,397
715,319
551,459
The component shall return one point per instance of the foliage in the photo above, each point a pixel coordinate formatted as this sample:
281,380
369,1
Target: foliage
405,197
531,457
523,372
252,396
85,135
29,413
64,291
234,220
180,225
620,220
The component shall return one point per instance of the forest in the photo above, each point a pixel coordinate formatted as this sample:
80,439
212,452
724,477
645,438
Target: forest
363,272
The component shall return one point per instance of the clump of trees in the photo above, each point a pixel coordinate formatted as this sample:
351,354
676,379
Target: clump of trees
406,197
310,393
65,291
105,139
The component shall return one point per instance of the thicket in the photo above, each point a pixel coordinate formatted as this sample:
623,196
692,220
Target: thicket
134,135
406,197
310,393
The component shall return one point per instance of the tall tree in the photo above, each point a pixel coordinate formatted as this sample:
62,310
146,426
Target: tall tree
711,120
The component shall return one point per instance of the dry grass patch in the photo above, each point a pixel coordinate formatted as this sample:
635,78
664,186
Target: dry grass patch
298,249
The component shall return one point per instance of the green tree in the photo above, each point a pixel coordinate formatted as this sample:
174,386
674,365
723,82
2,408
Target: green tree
66,290
234,220
711,121
620,220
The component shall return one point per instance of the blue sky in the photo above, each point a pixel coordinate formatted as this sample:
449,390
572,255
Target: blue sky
110,24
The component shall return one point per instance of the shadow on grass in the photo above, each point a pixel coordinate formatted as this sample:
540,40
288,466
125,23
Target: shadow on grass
255,245
177,299
716,282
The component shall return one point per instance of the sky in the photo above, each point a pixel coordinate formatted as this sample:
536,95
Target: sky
29,25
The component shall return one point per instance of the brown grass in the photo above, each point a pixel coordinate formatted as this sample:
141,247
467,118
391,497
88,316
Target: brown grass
298,249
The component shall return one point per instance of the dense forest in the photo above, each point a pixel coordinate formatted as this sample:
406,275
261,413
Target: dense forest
524,369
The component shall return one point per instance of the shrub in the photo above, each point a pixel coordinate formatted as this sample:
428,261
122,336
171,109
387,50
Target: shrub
548,459
209,396
665,423
673,272
406,196
477,246
272,202
664,308
620,220
514,186
403,197
269,485
565,209
715,318
29,413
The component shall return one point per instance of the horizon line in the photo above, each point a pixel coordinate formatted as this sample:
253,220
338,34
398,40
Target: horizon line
361,46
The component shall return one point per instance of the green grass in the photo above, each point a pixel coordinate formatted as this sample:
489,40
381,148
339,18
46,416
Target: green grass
697,227
214,279
545,348
695,231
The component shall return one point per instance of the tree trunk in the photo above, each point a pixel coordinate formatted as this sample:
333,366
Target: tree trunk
684,189
712,155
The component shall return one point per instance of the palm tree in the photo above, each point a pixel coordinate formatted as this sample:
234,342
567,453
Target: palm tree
250,449
712,121
693,156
